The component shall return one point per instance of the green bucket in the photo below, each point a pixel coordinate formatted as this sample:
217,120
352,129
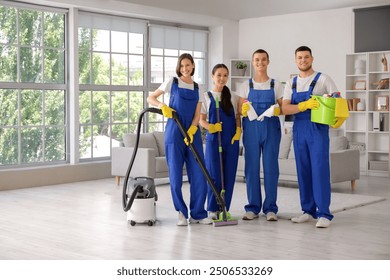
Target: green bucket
325,112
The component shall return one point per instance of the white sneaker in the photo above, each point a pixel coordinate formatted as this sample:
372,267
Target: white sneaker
323,223
205,221
271,216
182,220
213,215
302,219
250,216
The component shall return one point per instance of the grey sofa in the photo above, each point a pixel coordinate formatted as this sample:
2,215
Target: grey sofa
344,162
150,160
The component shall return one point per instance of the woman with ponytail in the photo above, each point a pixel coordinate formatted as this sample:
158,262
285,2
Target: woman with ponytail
229,126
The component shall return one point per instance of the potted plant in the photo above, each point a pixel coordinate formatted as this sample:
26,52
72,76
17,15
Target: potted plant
241,67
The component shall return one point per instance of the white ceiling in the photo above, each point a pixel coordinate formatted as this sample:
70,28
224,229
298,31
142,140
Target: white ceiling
242,9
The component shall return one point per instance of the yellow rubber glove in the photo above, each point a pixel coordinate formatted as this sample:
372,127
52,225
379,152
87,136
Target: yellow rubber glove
338,122
276,111
167,111
213,128
308,104
237,136
191,132
244,109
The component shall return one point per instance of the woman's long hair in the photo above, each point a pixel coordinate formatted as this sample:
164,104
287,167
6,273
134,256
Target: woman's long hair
226,96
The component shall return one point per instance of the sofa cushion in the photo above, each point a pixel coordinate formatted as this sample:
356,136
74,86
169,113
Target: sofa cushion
146,140
159,136
285,144
161,165
335,144
338,143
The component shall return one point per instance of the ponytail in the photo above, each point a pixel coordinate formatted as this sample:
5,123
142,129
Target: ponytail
226,101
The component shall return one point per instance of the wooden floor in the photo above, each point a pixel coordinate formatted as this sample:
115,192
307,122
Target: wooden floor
86,221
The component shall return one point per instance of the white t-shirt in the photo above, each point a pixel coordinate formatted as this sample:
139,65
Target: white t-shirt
243,90
324,85
206,104
167,85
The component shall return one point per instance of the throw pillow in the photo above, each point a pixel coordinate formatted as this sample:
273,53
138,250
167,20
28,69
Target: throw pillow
146,140
159,136
338,143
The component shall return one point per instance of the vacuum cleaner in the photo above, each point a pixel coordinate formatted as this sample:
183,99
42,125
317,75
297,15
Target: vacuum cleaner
145,211
139,194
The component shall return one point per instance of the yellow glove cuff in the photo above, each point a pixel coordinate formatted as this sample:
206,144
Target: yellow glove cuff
302,106
236,136
244,109
192,130
276,111
167,111
339,122
213,128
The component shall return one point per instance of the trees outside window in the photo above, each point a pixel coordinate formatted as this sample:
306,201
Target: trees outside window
117,70
32,86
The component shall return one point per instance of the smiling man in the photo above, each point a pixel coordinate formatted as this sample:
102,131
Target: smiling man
261,137
311,140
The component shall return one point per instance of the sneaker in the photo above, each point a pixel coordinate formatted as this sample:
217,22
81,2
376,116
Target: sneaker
323,223
302,219
271,216
205,221
182,220
213,215
250,216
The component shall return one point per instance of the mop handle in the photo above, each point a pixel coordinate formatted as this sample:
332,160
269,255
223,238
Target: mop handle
220,148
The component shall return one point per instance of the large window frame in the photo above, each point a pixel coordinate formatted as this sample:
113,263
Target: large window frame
35,94
67,91
102,127
167,43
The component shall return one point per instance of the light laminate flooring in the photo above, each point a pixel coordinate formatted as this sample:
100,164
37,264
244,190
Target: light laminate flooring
85,221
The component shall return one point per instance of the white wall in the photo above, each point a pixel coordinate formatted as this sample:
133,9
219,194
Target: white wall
222,44
328,33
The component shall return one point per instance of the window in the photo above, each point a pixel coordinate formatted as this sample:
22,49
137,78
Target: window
32,86
118,67
167,43
111,77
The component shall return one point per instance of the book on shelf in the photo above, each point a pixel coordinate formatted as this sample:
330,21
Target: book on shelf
352,104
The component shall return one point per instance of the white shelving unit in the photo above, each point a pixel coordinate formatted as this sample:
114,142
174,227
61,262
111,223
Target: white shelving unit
237,76
363,72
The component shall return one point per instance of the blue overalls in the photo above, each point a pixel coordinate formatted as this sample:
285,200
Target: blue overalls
311,146
229,156
184,101
261,137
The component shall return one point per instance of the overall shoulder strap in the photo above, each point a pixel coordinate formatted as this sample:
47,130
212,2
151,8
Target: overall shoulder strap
272,83
250,83
313,83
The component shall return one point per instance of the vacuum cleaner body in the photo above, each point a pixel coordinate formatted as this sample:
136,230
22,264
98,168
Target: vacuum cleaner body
141,200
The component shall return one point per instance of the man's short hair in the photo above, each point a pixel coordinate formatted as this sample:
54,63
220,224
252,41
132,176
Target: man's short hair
303,49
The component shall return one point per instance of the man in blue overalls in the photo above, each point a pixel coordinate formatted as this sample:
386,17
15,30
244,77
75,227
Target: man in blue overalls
311,140
261,138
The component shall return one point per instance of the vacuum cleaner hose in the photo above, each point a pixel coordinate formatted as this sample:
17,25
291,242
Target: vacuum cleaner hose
125,202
